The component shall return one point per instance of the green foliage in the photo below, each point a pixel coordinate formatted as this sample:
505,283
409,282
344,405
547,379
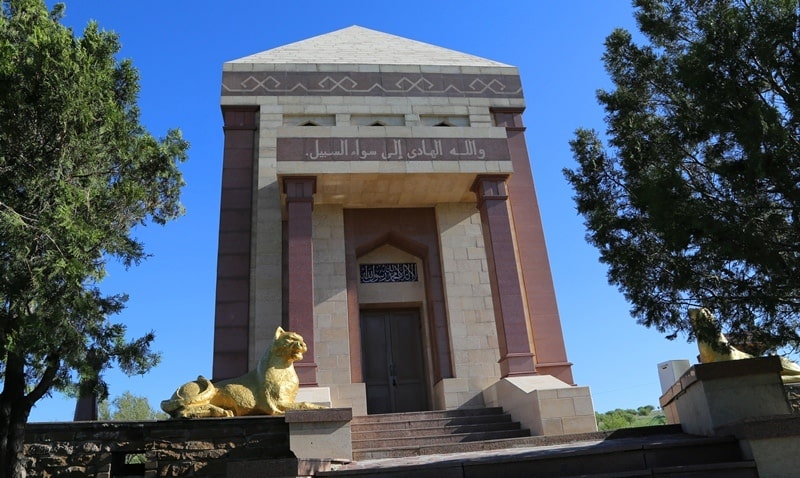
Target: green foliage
694,201
129,407
645,410
614,419
78,172
629,418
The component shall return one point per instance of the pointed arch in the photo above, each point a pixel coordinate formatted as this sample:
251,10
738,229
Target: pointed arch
413,231
394,239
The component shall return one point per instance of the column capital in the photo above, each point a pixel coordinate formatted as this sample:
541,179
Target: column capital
509,118
241,117
299,188
490,186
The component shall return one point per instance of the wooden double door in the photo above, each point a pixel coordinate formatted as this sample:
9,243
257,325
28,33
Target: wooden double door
393,364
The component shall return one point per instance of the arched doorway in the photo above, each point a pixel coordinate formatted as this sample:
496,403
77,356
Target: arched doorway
396,238
394,342
393,363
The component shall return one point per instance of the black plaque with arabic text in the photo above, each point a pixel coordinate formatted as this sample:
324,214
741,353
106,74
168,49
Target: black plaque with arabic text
378,273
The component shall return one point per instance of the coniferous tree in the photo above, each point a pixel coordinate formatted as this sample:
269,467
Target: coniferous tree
695,198
77,173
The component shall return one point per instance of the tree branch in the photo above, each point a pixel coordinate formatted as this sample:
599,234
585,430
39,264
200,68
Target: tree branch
46,382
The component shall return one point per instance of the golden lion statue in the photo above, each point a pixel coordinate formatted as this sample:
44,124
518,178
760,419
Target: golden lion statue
702,319
270,389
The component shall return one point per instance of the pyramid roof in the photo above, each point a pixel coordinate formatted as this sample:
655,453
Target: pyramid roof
361,46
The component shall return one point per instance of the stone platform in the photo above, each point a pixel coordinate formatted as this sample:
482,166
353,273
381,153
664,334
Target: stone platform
300,444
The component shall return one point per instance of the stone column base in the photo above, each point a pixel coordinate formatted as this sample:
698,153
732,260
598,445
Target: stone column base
317,395
454,393
544,404
350,395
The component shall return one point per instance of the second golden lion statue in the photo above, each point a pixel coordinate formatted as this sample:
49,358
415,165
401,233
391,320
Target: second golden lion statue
269,389
724,351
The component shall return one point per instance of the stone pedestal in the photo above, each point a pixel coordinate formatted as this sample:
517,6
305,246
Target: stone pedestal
712,395
320,434
544,404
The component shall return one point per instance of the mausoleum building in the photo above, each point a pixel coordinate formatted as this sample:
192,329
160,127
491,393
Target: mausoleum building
377,198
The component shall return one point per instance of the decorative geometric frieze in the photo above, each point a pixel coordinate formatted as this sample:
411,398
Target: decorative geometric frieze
392,149
399,272
369,84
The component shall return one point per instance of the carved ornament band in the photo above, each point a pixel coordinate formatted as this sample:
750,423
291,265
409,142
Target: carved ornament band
316,83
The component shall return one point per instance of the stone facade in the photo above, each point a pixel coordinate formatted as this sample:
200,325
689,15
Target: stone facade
358,148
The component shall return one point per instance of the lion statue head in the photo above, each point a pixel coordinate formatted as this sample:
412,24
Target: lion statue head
289,346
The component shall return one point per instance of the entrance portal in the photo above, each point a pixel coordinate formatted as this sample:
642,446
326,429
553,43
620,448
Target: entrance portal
393,367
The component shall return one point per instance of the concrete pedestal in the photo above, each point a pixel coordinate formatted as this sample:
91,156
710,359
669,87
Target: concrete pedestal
320,434
712,395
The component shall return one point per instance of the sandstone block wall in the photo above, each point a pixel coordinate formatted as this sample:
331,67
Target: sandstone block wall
331,329
469,305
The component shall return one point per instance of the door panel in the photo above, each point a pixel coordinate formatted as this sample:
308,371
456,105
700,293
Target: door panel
393,364
407,356
375,355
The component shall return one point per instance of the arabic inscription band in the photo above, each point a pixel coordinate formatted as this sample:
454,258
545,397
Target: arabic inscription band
400,272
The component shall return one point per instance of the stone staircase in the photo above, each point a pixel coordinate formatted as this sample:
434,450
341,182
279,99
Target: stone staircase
487,443
398,435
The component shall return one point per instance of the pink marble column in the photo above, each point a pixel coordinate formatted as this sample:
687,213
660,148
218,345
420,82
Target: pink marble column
299,205
516,357
232,308
548,338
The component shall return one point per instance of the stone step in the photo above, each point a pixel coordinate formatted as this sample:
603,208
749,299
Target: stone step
427,415
643,453
670,455
737,469
402,434
641,433
373,448
360,426
431,429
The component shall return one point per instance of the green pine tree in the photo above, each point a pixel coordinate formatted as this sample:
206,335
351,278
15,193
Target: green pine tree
77,172
692,198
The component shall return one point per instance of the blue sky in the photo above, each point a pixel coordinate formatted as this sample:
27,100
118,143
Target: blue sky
179,48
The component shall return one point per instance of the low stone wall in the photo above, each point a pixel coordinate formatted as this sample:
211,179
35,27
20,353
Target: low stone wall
211,447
